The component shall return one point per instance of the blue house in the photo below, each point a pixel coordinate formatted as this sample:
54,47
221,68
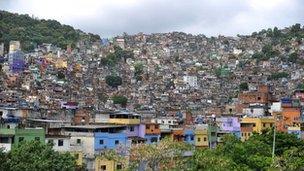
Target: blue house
189,136
152,138
106,140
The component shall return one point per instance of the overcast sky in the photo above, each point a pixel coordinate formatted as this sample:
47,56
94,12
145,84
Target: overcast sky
210,17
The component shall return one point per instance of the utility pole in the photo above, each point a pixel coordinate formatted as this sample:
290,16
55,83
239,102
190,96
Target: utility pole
276,118
274,139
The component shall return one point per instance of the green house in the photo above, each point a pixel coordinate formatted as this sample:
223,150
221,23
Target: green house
10,137
29,134
212,135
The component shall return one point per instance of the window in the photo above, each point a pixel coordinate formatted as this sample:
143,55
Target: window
253,125
147,126
103,167
205,139
101,142
156,126
191,137
198,139
153,139
242,134
271,125
4,140
264,125
118,167
259,98
78,141
21,139
116,142
132,128
169,122
60,142
245,134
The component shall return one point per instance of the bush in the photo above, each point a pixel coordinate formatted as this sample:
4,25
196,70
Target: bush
122,100
113,81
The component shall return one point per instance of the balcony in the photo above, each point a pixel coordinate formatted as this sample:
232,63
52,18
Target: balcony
124,121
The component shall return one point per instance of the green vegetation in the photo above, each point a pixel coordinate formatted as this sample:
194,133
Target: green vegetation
60,75
112,58
32,32
278,75
113,81
269,52
243,86
139,69
283,38
293,57
35,156
122,100
254,154
167,153
300,86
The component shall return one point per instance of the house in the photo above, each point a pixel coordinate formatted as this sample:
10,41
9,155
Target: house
201,136
60,143
124,117
109,140
230,125
102,164
14,136
152,133
246,131
257,124
296,131
177,134
189,136
290,117
212,135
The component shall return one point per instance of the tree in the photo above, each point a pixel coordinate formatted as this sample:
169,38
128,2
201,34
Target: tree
293,57
36,156
210,160
292,159
60,75
122,100
244,86
138,70
167,154
32,32
295,28
113,80
269,52
278,75
3,161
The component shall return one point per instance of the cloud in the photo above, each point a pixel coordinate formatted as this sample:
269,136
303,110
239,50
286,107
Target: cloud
113,17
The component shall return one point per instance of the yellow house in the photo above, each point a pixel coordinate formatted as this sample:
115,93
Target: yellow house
201,137
79,158
102,164
124,118
258,124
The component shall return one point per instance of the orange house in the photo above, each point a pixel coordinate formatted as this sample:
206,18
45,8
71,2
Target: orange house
152,128
82,116
178,134
290,117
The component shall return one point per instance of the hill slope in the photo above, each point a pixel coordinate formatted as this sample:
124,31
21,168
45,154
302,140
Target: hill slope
32,31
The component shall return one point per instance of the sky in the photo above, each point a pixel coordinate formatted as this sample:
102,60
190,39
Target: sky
209,17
